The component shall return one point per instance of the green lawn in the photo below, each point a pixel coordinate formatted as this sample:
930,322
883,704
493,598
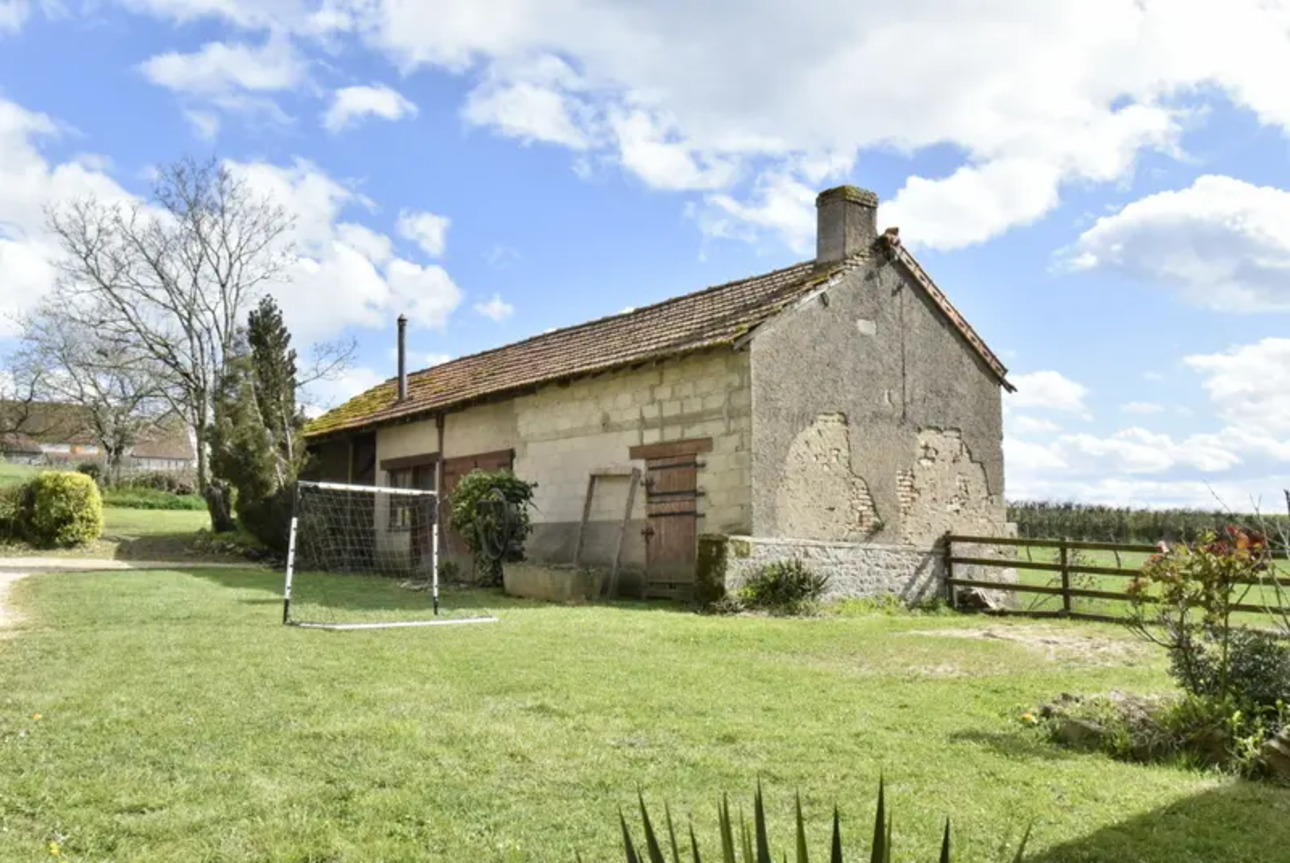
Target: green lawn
179,721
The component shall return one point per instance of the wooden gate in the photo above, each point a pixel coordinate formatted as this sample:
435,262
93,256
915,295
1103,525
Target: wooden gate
671,513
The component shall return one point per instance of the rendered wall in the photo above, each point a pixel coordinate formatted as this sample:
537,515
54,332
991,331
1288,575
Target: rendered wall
874,420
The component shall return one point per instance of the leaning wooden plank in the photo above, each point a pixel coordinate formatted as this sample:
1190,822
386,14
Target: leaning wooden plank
622,531
582,525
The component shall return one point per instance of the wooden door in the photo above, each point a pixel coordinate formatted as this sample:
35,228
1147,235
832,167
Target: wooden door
423,518
671,532
453,470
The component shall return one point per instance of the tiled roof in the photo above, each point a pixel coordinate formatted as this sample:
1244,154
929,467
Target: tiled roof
709,318
52,423
168,441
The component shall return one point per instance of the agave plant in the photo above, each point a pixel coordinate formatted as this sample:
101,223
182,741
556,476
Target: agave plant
753,845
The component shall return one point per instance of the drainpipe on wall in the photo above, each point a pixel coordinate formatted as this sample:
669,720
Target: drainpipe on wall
403,357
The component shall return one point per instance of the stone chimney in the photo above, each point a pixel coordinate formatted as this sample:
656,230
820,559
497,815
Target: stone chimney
403,357
846,223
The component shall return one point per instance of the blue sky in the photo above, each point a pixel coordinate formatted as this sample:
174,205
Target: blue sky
1098,185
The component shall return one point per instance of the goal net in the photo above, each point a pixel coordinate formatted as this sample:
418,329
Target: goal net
364,557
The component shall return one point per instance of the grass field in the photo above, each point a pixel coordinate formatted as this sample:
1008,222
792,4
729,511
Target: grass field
180,721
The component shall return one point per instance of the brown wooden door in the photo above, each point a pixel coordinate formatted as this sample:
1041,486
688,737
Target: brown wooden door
423,516
671,532
453,470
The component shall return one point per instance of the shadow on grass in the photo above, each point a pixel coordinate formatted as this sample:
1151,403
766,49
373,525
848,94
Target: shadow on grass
1017,745
360,594
1240,822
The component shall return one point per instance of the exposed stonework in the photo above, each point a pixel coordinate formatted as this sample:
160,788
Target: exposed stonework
946,490
821,497
855,569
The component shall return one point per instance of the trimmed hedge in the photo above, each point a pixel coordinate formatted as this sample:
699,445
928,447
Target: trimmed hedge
61,508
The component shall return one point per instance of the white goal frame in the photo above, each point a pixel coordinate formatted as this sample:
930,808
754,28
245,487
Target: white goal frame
434,561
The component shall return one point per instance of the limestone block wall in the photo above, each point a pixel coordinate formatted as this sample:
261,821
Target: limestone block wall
856,570
563,432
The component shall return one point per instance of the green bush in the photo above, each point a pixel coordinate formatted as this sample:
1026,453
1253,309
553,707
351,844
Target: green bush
1258,669
93,470
61,508
11,510
493,533
134,497
783,587
161,480
268,519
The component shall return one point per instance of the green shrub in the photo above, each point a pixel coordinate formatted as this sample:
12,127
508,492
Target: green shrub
752,844
783,587
268,519
12,498
93,470
494,533
62,508
1258,669
133,497
161,480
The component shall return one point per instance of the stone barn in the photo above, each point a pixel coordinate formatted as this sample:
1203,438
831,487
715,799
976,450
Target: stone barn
839,410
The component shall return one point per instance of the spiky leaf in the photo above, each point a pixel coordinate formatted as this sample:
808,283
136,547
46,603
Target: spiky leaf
727,831
671,834
945,843
759,824
651,841
694,846
835,855
879,852
801,833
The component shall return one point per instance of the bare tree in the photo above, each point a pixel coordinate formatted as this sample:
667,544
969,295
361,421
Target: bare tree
20,387
121,388
173,280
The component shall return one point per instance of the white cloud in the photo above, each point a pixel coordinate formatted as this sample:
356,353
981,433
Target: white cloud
419,359
427,230
351,104
496,308
1249,494
13,14
1031,425
1221,243
1142,408
350,264
221,68
1249,385
321,396
1154,377
527,112
28,183
205,123
1049,390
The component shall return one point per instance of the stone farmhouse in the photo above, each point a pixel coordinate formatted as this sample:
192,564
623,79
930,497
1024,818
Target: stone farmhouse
60,434
839,410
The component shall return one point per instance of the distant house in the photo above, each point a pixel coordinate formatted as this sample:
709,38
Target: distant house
59,434
840,411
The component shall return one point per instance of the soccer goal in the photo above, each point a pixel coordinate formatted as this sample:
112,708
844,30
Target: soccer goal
365,557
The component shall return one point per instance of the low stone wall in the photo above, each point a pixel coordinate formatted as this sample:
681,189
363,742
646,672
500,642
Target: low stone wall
855,570
549,583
